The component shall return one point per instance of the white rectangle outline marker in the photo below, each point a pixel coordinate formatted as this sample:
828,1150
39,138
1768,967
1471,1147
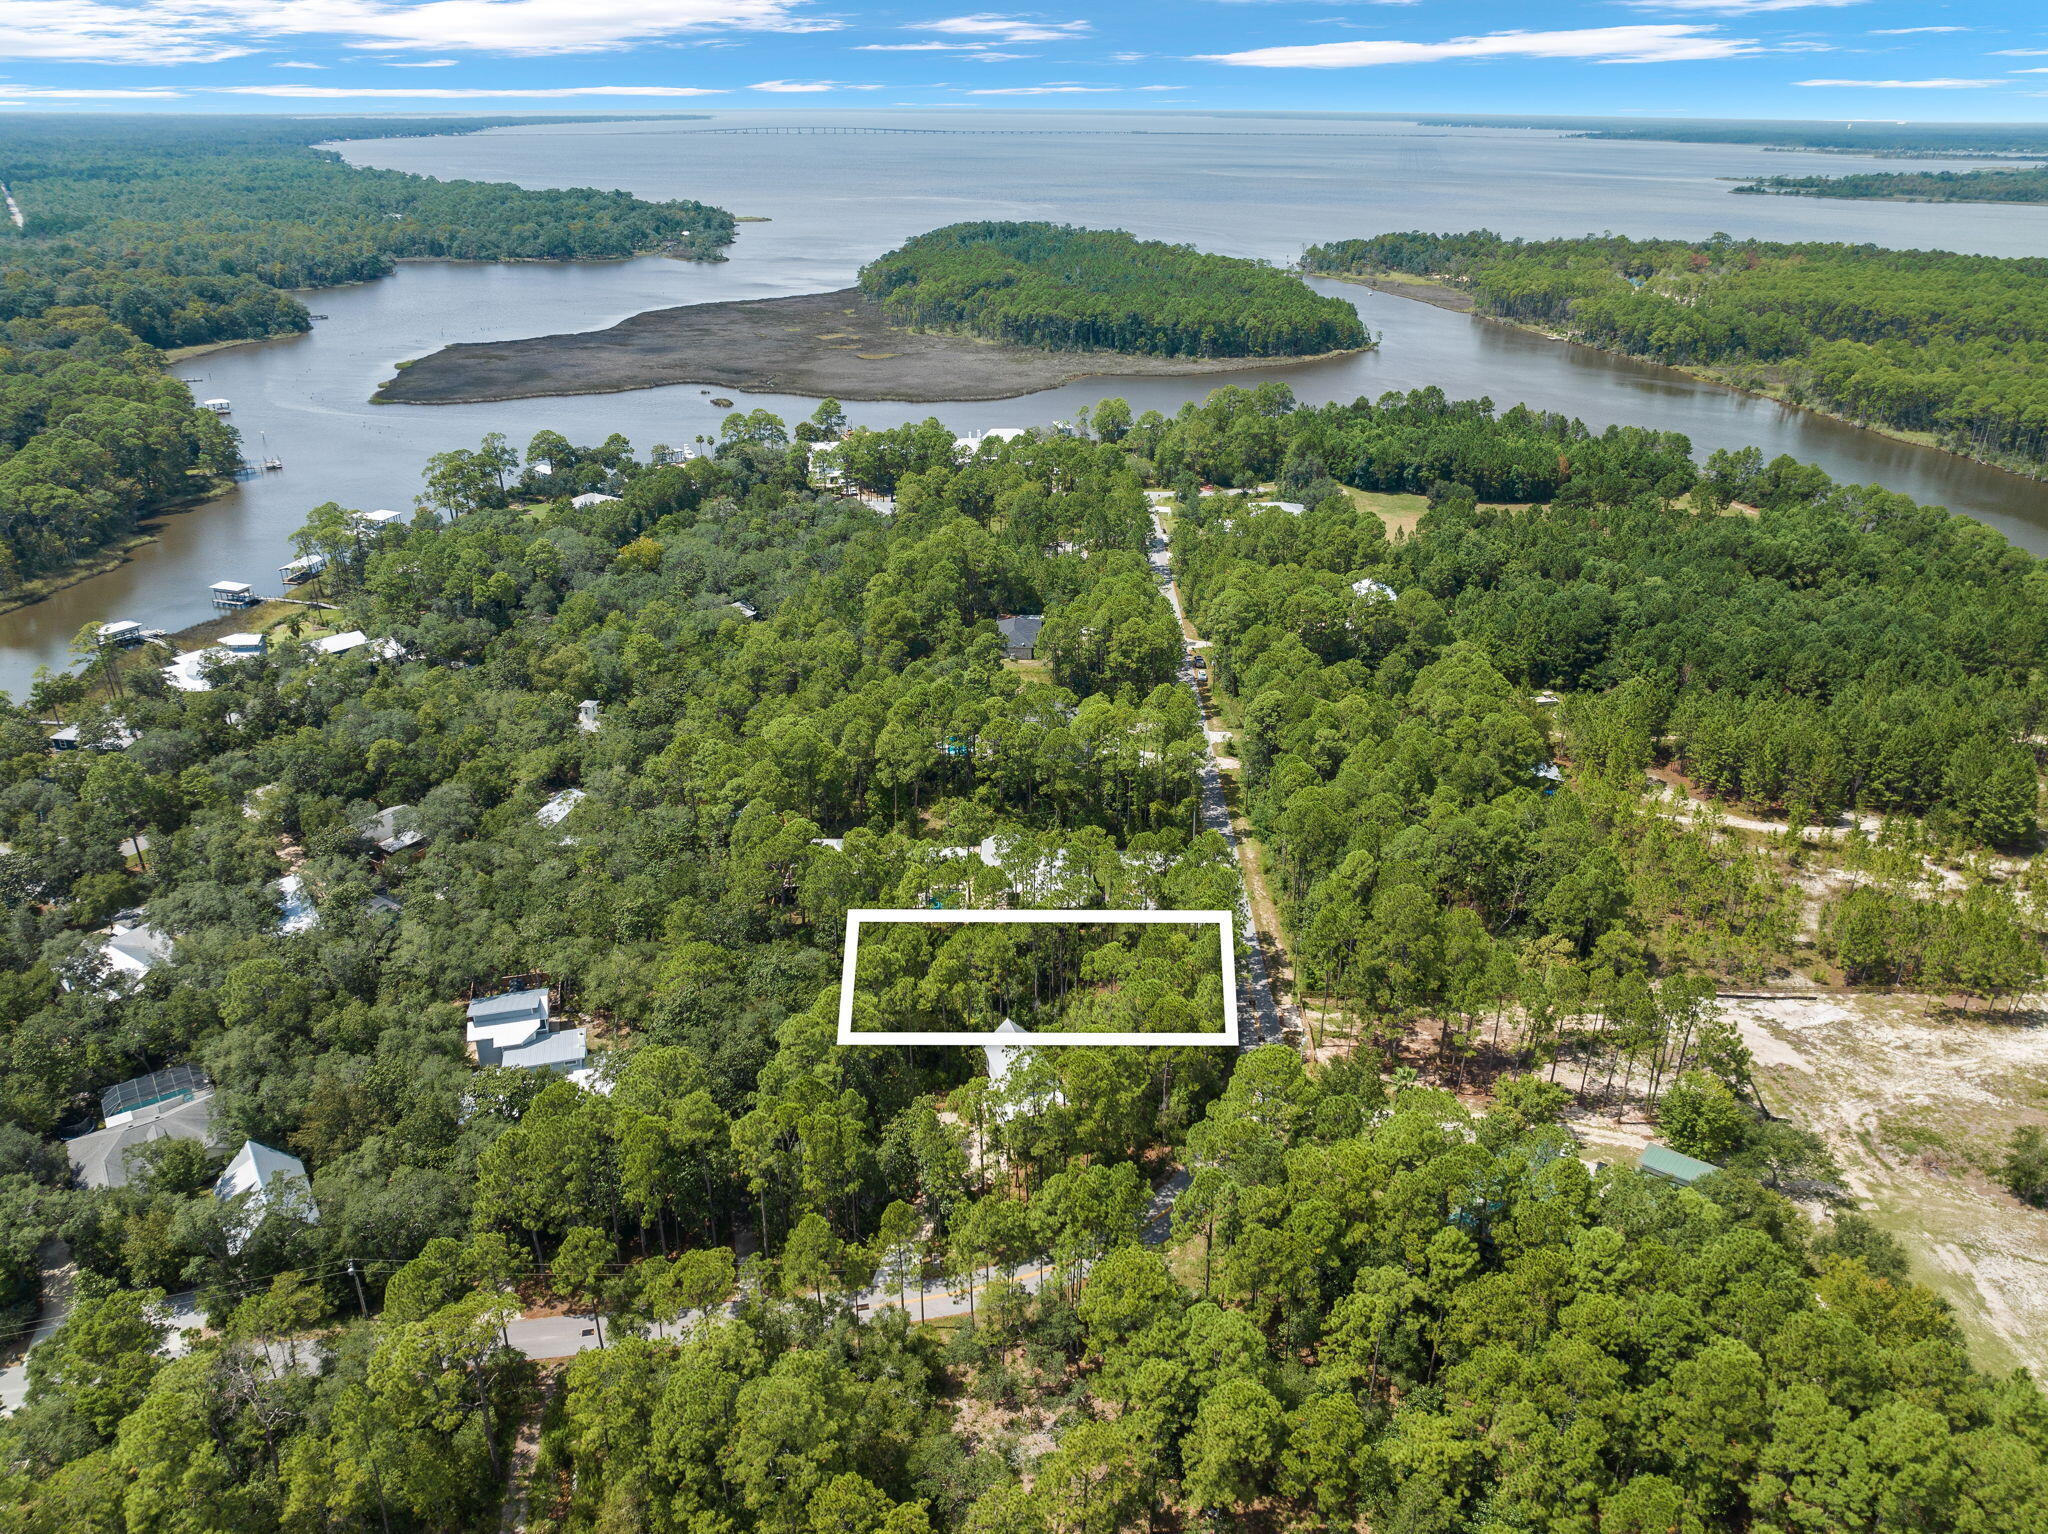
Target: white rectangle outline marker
1223,920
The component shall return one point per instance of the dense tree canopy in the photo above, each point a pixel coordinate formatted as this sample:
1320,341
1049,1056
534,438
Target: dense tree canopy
2024,184
1102,289
1956,346
176,231
1378,1306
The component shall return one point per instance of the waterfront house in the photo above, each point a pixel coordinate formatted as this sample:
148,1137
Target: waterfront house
187,671
1020,635
302,569
376,521
356,639
108,735
122,632
232,594
217,406
268,1182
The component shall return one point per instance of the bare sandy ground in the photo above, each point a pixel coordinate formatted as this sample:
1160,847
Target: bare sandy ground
1915,1100
817,345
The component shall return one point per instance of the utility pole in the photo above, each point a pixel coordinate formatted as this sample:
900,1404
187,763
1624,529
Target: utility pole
362,1304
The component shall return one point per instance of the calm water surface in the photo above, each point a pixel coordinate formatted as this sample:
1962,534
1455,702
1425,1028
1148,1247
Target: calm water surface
1257,186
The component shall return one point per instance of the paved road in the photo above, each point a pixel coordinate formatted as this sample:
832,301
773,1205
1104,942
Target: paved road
566,1336
1262,1019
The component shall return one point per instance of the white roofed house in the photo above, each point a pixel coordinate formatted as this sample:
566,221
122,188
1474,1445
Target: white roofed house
129,948
392,830
261,1182
294,904
355,639
590,498
1009,1098
1365,586
557,809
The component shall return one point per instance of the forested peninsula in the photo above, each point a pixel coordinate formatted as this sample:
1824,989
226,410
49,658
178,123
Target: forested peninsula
1948,349
972,311
1365,1301
141,235
2022,184
1052,285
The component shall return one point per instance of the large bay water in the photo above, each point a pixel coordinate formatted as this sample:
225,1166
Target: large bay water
1256,186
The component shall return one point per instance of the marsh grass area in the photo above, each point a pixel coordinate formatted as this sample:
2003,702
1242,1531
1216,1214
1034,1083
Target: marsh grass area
835,344
1062,976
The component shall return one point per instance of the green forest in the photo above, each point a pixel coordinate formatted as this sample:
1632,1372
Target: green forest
1922,341
1069,289
1057,977
2022,184
165,232
1186,1288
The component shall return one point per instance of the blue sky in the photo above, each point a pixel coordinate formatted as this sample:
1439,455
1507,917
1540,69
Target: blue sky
1889,60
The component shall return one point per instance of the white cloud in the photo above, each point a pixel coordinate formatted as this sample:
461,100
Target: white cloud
347,93
208,31
916,47
1047,90
1646,44
1732,7
2020,53
1004,29
423,64
57,93
796,87
1910,85
1912,31
296,64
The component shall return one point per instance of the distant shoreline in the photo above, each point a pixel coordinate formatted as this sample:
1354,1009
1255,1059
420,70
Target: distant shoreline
836,345
1443,296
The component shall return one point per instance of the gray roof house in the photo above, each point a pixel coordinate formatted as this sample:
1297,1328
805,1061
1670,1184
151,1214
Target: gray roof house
175,1104
1020,635
275,1184
382,831
560,1052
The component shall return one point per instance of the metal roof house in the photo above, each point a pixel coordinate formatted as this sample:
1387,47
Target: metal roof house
172,1104
590,498
561,1053
1368,587
133,948
114,735
273,1183
1020,635
1292,508
1674,1166
383,832
557,809
586,716
356,639
529,1006
509,1021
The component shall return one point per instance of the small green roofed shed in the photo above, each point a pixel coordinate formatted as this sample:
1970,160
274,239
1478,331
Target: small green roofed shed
1674,1166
